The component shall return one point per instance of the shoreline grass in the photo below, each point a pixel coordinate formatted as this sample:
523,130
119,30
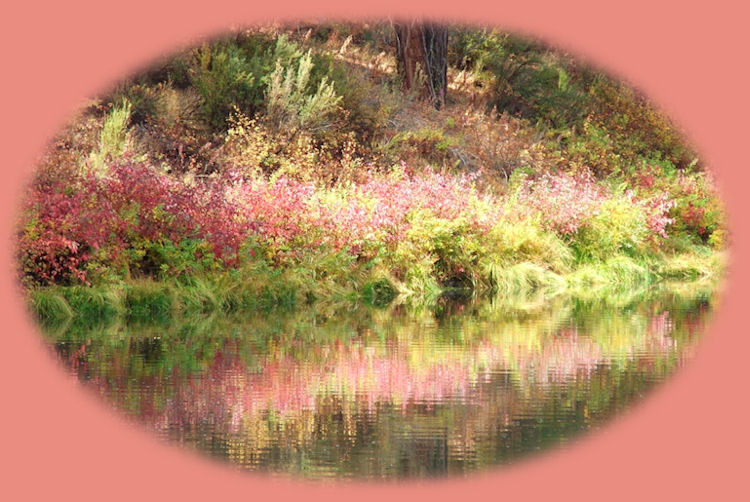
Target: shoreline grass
157,301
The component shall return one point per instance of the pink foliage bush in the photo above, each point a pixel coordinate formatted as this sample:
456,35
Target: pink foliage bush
564,201
657,209
290,213
567,202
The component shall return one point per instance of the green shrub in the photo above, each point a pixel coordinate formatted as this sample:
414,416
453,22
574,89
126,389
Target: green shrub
226,78
593,149
293,103
437,251
166,259
142,99
365,106
253,73
378,293
619,227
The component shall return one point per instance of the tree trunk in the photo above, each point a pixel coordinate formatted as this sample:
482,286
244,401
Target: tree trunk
422,54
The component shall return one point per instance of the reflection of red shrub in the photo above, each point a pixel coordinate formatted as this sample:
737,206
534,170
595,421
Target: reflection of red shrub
227,392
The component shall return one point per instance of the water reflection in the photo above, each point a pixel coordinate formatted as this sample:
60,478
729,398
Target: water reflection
401,392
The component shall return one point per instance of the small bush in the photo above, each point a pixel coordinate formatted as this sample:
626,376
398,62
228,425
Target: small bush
562,201
689,200
426,145
226,78
293,104
697,209
618,226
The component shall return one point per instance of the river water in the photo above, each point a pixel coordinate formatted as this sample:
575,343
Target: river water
446,388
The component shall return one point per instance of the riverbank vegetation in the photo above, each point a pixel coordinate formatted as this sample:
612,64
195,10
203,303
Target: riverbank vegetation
287,165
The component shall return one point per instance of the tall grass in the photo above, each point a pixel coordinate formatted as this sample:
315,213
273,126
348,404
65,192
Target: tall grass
332,284
113,138
50,306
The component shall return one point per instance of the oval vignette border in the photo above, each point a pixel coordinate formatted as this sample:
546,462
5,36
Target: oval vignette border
687,438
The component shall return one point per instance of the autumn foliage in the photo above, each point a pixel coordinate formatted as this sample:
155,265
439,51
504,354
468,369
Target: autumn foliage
136,220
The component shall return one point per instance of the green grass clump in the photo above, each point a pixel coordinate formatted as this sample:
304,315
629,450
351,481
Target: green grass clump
204,294
113,138
148,301
49,306
94,303
523,277
510,243
691,266
622,271
378,293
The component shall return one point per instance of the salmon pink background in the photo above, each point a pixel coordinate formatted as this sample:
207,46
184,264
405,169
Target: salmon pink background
687,440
